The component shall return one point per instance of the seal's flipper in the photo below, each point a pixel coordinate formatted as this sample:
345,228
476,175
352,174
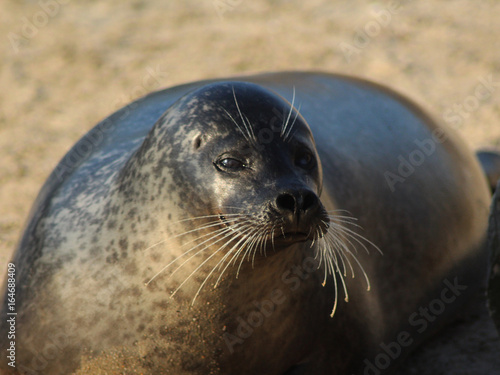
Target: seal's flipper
490,161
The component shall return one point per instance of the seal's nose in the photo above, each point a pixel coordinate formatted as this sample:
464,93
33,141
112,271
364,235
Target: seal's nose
299,203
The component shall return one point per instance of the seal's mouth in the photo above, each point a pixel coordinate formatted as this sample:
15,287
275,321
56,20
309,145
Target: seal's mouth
283,236
291,237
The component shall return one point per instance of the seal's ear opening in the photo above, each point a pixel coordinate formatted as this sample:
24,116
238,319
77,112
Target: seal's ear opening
490,161
197,142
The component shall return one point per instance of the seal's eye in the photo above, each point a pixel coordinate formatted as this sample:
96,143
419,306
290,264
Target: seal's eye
230,164
305,160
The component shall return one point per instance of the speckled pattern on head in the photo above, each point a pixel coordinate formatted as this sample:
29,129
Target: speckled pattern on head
191,232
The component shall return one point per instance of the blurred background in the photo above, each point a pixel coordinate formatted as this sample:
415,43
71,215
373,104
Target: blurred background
65,65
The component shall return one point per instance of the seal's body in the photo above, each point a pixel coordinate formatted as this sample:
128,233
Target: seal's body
242,205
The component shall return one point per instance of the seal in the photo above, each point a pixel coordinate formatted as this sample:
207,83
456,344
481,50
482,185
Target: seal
494,248
490,161
238,226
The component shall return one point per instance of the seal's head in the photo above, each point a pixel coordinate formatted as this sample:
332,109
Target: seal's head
239,169
252,161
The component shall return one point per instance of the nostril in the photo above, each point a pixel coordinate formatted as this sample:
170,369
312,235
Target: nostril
310,201
286,202
302,201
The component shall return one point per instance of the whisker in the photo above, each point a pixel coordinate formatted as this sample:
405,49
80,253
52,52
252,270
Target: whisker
263,243
212,224
283,230
342,241
235,208
284,129
316,234
341,210
324,257
222,231
357,237
335,288
322,261
354,235
254,242
197,269
272,237
237,125
208,217
232,259
338,244
360,267
344,286
339,220
247,126
219,232
287,135
221,261
227,233
155,244
259,242
207,225
248,246
335,249
236,220
252,250
251,129
273,233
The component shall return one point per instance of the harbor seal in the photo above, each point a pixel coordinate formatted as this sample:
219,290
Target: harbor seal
494,248
285,223
490,161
